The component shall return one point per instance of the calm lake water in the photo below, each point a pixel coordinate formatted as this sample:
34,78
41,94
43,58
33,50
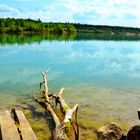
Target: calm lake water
103,77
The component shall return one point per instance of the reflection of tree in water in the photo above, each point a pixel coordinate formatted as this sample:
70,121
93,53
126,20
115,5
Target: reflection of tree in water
106,36
31,38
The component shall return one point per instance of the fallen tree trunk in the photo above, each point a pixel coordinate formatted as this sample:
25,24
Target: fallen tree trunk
62,129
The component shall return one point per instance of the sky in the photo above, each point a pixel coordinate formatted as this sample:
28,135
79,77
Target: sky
96,12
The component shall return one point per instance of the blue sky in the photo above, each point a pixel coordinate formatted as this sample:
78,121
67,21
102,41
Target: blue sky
102,12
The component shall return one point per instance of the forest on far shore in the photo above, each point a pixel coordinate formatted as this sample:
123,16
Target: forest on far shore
84,31
11,25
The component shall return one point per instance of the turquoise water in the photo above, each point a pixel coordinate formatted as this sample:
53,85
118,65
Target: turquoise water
103,77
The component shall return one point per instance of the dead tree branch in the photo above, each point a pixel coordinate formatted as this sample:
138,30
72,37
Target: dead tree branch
62,128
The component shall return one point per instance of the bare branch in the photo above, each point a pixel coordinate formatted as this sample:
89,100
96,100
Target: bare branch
69,113
48,70
61,91
62,129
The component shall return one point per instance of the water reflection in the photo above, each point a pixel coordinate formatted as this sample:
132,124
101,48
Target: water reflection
93,61
22,39
103,76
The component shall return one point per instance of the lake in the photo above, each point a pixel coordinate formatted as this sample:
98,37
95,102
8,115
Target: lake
103,77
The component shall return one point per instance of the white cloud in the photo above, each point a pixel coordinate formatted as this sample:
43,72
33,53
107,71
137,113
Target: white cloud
7,11
111,12
6,8
68,10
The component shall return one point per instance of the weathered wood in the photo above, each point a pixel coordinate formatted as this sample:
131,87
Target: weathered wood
47,101
24,127
14,126
62,127
8,128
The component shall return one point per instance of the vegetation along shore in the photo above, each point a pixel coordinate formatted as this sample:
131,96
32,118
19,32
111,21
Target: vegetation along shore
79,31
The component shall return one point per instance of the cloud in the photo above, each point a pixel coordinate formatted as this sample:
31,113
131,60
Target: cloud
92,12
7,9
110,60
110,12
97,58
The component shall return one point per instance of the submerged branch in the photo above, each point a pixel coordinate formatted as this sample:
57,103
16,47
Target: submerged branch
62,128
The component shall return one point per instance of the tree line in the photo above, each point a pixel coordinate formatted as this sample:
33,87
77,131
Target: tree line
12,25
30,26
105,29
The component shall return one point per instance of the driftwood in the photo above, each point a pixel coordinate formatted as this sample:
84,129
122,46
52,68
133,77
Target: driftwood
62,129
